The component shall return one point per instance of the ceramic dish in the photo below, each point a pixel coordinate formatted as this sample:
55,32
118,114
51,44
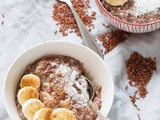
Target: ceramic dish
127,26
93,64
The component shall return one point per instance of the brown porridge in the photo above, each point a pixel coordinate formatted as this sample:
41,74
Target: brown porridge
63,85
134,11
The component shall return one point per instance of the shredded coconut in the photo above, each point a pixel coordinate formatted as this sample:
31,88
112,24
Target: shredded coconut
69,75
142,7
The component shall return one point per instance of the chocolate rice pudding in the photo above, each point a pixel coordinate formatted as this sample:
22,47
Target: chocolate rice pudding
63,85
132,11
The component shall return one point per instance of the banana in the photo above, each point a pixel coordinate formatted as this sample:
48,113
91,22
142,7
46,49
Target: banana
116,2
30,80
30,107
43,114
63,114
27,93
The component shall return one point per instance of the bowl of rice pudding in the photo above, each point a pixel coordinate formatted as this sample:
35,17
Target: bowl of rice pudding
136,16
48,82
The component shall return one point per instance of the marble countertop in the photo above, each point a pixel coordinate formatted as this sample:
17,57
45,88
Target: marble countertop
29,22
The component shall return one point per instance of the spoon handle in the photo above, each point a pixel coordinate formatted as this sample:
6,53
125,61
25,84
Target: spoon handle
100,115
88,39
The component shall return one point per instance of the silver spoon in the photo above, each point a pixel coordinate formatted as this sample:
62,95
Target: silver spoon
88,39
91,95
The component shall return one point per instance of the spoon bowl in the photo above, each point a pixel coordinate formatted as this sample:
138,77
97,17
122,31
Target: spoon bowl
91,91
88,39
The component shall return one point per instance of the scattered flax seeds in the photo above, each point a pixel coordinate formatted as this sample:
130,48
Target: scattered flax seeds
66,21
112,38
139,71
55,32
139,118
2,23
3,16
106,26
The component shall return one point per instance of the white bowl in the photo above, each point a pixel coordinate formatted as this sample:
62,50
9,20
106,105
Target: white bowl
92,63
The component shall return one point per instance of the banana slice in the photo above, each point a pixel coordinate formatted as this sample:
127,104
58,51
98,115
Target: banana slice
43,114
30,80
30,107
63,114
27,93
116,2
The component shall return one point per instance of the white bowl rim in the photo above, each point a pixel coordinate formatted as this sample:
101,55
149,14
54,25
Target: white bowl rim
122,21
56,41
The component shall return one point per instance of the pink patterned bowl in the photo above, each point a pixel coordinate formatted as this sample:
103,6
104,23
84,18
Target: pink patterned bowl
127,26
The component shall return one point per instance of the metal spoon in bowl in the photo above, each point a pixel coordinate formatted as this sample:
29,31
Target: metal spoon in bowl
91,90
88,39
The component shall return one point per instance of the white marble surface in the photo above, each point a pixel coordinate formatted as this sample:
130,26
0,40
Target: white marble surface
29,22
